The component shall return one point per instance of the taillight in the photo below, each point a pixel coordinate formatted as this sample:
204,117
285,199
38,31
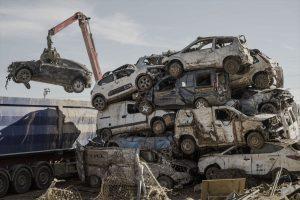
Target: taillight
294,157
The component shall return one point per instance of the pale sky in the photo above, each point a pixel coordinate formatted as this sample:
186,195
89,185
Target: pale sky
126,30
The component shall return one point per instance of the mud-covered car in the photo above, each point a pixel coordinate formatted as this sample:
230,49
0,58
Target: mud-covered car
262,74
223,126
230,53
170,173
74,77
263,162
193,89
265,101
120,84
124,117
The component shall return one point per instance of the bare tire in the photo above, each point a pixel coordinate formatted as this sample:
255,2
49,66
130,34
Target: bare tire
166,182
21,182
158,127
145,108
210,172
232,66
78,85
94,181
23,75
268,108
99,103
255,140
188,146
262,81
4,183
175,69
105,134
68,88
144,82
201,103
43,177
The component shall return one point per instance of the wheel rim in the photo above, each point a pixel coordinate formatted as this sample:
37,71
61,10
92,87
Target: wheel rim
78,86
68,88
255,141
22,182
94,181
44,177
158,127
99,103
231,67
145,108
24,76
144,83
187,145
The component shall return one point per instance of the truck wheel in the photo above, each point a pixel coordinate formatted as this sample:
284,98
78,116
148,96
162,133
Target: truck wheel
94,181
43,177
21,182
268,108
166,181
78,85
158,126
255,140
175,69
262,81
210,172
231,66
145,107
4,183
68,88
99,103
201,103
188,146
23,75
144,82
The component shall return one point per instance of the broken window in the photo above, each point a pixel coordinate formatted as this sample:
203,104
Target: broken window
166,84
203,79
224,42
222,114
201,45
132,109
238,150
124,72
107,79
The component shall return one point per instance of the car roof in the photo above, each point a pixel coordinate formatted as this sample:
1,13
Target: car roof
211,37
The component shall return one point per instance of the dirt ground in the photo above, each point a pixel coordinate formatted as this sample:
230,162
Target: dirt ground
90,193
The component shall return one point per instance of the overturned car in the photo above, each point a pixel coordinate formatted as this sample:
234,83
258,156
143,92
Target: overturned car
74,77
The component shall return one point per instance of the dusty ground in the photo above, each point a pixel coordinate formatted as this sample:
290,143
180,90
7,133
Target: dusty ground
90,193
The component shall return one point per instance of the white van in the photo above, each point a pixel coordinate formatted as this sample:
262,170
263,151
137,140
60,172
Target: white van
124,117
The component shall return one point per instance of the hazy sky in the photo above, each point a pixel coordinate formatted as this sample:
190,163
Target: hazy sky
126,30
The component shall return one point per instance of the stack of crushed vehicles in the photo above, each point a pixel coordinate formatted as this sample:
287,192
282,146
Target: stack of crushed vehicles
216,102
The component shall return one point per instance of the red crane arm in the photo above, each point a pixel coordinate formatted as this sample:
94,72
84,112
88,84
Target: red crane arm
87,36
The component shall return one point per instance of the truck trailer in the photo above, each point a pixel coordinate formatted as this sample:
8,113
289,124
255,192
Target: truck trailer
37,140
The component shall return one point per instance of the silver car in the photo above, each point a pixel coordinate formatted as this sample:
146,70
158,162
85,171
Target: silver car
121,83
265,161
230,53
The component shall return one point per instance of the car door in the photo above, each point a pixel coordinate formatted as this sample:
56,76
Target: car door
135,120
185,89
237,158
118,114
223,125
203,85
48,72
222,48
199,54
165,92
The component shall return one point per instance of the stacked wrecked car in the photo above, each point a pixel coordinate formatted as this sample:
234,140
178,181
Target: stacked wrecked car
215,97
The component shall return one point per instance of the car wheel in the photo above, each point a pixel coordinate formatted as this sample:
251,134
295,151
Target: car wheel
78,85
262,81
158,127
268,108
99,103
94,181
43,177
105,134
23,75
21,182
201,103
144,82
232,66
255,140
4,183
210,172
175,69
68,88
145,108
166,182
188,146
